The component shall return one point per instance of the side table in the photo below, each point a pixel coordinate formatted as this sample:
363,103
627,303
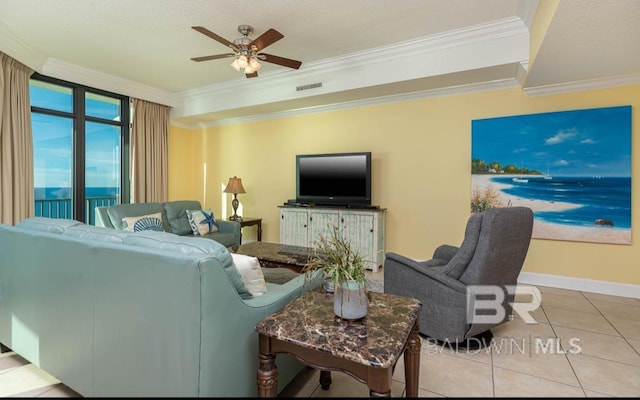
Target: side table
249,221
367,349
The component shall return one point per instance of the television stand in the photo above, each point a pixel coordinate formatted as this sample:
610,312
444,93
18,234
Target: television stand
303,225
293,203
363,206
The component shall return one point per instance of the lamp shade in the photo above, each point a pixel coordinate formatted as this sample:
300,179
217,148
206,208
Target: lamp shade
234,186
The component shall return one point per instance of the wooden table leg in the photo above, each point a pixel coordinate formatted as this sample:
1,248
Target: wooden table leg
412,362
267,370
325,379
259,231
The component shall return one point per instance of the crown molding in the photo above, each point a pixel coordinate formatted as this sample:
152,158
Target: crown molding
19,50
527,11
418,95
73,73
578,86
507,27
496,43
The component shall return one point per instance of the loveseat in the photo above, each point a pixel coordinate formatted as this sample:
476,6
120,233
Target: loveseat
174,219
118,314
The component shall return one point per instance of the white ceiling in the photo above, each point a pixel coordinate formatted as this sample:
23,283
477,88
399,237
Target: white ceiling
361,51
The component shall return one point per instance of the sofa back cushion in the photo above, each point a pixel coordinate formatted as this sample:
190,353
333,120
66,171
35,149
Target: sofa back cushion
95,233
191,245
176,212
45,224
119,211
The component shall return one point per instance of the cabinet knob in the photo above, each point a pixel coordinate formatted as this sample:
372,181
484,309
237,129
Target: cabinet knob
371,230
304,226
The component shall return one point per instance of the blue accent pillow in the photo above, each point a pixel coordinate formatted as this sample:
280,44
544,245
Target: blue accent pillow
202,222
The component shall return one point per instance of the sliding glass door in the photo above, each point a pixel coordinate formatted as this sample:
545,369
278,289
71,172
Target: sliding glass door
80,141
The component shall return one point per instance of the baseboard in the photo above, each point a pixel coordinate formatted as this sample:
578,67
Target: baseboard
581,284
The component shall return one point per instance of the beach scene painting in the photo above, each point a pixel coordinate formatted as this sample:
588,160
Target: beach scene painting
572,168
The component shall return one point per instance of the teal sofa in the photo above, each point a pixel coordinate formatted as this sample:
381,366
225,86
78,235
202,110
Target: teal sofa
142,314
174,217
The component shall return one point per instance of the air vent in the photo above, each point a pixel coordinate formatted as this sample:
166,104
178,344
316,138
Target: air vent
310,86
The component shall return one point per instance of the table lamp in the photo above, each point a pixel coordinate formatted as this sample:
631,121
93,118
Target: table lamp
234,186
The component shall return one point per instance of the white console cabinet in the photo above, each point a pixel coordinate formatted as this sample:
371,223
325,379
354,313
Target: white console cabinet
364,228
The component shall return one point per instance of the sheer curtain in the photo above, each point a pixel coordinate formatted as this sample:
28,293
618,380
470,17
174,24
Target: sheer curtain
149,152
16,143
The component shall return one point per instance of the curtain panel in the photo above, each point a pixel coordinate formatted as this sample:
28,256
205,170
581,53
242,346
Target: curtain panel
16,142
149,152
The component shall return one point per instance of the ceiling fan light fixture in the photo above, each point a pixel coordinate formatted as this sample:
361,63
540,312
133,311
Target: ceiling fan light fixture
235,65
242,61
247,51
254,64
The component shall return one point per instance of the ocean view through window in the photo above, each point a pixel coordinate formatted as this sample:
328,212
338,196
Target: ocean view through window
80,148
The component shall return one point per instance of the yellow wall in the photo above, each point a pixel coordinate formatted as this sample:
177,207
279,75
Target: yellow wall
421,170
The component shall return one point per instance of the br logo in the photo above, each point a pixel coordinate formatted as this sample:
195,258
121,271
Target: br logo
487,304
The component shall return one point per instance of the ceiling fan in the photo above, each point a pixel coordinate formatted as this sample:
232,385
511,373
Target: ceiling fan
247,52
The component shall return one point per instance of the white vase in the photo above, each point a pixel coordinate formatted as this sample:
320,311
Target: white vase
350,300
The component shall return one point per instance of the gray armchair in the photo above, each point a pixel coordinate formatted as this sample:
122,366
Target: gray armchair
491,256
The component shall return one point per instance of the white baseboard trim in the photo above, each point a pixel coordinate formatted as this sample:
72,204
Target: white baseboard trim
580,284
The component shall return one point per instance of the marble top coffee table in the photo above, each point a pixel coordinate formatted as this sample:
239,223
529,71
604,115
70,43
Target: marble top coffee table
367,349
276,255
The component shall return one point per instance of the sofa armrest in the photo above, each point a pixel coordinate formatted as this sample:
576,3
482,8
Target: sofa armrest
102,218
229,227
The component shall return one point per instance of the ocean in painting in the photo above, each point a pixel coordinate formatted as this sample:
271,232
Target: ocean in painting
598,197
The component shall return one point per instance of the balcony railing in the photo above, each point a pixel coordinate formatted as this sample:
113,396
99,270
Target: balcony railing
63,208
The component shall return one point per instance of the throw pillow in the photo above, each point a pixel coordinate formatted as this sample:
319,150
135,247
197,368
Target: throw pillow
250,273
151,222
202,222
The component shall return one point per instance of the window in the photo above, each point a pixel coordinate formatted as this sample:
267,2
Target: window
80,148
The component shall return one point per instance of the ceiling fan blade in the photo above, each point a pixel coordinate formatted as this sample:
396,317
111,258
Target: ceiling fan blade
214,57
269,37
287,62
252,75
213,36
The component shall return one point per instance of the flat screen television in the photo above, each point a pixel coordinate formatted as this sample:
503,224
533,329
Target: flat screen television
340,179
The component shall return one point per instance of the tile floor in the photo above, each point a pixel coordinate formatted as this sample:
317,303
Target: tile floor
583,345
